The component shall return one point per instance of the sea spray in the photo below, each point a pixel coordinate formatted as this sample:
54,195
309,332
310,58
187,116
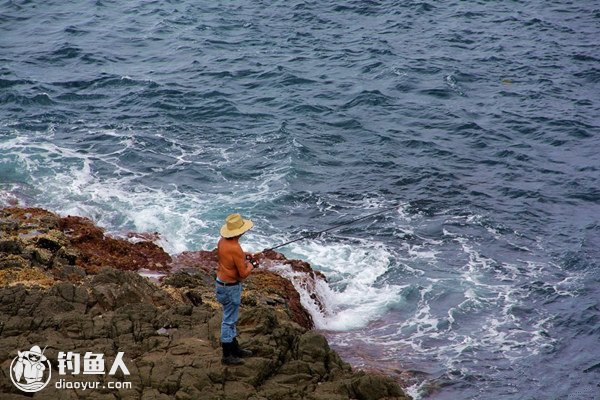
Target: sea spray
352,295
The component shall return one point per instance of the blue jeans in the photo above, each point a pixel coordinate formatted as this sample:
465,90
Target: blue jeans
230,297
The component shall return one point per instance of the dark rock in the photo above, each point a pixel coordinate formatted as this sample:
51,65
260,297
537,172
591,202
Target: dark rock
194,296
11,261
70,292
374,387
312,347
52,240
8,225
104,296
11,245
154,394
67,256
39,255
182,279
249,300
70,273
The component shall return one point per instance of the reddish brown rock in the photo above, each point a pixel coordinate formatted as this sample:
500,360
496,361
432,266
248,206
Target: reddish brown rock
77,240
303,274
97,250
204,260
296,265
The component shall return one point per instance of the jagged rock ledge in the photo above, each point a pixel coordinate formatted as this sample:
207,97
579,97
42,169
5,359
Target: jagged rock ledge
67,285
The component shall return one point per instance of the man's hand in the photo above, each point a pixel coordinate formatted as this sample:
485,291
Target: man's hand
252,260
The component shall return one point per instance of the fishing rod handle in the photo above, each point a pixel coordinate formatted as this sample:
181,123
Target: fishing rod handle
252,261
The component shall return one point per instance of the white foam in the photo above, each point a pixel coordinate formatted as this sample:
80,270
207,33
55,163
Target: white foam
155,275
475,312
69,184
415,391
422,252
354,298
7,198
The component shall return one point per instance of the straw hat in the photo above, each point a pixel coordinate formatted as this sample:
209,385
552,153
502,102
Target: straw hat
235,226
36,351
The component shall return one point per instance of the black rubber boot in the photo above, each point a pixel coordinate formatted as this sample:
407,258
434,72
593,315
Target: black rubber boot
229,357
238,351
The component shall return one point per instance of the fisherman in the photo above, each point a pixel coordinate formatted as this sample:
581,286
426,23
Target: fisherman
234,266
30,365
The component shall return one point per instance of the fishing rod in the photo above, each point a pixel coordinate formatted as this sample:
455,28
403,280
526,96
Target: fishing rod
333,227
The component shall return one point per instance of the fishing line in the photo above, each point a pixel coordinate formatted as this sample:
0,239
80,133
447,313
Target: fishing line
315,234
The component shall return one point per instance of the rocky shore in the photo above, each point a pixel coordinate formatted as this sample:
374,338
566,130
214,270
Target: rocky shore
66,285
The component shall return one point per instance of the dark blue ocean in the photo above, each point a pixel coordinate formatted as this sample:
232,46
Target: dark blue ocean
478,119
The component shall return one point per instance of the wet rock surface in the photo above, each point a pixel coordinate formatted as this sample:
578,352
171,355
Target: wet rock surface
66,285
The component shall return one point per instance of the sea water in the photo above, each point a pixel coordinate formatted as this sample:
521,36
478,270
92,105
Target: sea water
478,120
